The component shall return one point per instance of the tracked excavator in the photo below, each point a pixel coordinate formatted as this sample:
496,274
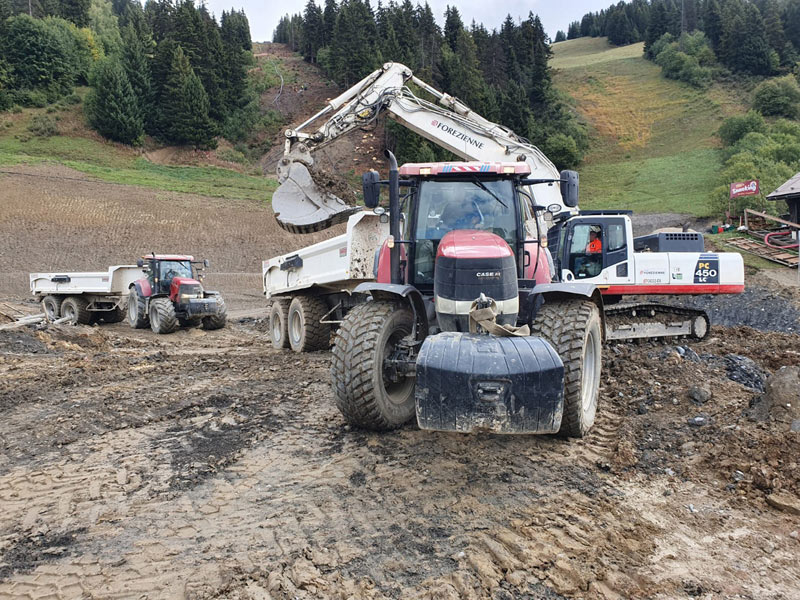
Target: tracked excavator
479,301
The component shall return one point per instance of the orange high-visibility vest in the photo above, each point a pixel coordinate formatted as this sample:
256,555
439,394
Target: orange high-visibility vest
594,247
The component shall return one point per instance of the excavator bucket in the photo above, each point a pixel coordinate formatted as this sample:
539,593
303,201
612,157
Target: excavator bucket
301,206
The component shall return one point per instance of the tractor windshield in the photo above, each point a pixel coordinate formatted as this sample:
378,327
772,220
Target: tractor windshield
446,205
174,268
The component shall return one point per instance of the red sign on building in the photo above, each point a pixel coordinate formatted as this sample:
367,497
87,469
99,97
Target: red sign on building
744,188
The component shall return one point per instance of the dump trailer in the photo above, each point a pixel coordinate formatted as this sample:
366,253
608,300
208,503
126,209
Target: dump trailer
161,291
85,297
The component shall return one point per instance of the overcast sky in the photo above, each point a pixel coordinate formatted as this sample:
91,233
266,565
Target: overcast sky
264,16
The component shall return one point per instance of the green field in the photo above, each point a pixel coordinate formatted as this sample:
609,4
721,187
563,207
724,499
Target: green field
79,149
653,145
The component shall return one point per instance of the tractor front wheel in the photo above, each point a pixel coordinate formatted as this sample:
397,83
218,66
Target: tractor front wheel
575,330
366,393
162,316
137,315
218,320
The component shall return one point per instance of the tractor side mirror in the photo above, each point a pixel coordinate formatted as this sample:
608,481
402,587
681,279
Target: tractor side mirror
140,263
370,183
206,264
569,188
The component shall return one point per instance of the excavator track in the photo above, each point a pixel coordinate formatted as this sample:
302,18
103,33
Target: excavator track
651,321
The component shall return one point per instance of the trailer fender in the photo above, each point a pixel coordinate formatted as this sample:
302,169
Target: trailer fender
553,292
404,293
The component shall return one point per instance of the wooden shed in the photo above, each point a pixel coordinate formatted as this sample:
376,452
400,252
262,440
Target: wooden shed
790,192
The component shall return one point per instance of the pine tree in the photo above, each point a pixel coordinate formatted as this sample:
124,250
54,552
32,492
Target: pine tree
76,11
235,30
774,26
452,26
354,49
791,22
328,21
184,106
712,23
744,46
573,31
313,31
137,70
111,107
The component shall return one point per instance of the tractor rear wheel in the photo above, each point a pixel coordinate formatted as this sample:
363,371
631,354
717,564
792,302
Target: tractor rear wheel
574,329
74,307
365,393
218,320
137,315
52,307
162,316
306,333
278,316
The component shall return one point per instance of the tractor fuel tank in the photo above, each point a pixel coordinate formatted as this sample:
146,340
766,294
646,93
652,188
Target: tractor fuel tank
475,382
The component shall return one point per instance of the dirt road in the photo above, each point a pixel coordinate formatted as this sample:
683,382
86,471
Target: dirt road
208,465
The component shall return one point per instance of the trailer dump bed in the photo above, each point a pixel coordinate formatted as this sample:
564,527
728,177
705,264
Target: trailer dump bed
337,264
115,281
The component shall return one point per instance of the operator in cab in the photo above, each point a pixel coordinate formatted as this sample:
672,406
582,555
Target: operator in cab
595,245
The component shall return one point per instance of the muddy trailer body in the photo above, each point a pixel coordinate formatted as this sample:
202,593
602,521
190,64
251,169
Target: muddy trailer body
85,295
310,289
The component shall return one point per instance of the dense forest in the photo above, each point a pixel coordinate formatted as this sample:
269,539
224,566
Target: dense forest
761,37
168,69
504,75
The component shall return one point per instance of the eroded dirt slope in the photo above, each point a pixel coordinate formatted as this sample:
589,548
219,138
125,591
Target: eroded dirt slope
208,465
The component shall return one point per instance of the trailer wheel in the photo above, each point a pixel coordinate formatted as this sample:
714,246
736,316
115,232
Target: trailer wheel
305,331
115,315
218,320
278,316
74,307
162,316
137,315
574,329
364,393
52,307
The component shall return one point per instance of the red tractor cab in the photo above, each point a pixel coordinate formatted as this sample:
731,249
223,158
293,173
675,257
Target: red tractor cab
172,295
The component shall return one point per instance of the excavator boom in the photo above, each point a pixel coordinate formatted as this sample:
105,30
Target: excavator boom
303,206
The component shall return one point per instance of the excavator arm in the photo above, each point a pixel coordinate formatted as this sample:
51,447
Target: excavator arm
302,206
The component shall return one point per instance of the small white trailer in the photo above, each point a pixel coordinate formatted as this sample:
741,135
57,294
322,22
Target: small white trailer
85,296
310,289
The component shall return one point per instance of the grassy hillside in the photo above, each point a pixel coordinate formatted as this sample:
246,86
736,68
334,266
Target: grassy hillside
653,147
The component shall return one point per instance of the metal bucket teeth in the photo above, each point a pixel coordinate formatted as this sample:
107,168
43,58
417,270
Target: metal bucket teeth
301,206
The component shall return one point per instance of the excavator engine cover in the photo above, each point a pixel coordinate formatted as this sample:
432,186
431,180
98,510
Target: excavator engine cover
476,382
301,206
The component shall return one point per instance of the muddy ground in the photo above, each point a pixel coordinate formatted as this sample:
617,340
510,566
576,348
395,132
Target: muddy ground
209,465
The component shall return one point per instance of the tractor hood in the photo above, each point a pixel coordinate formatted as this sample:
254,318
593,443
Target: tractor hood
177,282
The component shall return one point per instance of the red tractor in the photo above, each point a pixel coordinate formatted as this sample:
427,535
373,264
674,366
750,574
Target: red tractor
171,295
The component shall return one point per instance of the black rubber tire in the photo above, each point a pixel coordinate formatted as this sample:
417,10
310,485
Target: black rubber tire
357,367
575,330
115,315
51,305
278,318
75,306
218,320
190,322
137,315
304,330
162,316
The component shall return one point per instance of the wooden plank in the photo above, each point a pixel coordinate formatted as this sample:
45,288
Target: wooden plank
771,218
